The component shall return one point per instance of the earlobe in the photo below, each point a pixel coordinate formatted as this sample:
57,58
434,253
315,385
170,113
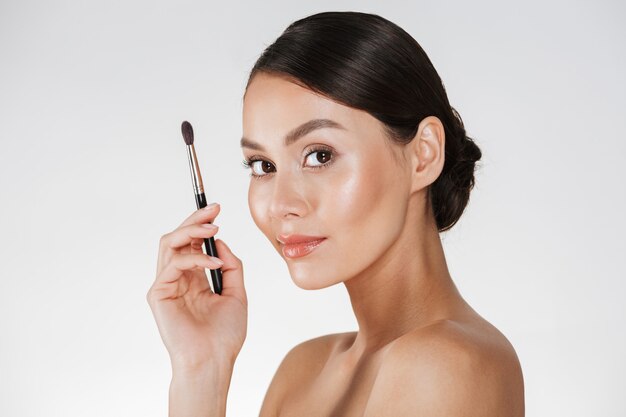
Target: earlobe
428,150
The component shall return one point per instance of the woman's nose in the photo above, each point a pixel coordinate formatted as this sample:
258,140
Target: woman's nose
287,199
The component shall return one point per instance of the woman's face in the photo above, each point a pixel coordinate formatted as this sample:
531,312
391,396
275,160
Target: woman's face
339,179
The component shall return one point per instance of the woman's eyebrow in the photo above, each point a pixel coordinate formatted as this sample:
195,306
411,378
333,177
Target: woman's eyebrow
296,133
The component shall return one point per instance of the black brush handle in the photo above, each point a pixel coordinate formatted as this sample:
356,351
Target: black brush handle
211,250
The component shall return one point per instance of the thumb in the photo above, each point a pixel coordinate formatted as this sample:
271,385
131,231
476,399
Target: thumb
232,272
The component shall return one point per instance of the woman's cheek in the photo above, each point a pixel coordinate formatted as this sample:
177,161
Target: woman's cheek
365,215
258,205
361,193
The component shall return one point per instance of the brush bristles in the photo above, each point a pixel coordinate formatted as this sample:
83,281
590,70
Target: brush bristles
187,132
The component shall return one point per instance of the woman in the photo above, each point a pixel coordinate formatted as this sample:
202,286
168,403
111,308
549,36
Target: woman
358,163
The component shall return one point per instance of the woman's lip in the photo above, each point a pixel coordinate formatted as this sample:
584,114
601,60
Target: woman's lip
297,250
291,239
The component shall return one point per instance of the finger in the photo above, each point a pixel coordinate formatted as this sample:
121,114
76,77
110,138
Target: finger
184,236
192,235
203,215
232,273
191,282
182,262
196,246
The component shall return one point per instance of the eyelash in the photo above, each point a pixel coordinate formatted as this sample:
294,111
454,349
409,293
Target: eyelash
247,163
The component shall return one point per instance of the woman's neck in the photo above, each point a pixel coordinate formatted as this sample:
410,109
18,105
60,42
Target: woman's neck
408,287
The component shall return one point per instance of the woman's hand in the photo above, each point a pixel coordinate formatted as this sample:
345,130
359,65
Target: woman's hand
198,326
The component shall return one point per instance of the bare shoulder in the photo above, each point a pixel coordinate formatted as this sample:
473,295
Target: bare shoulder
450,368
299,366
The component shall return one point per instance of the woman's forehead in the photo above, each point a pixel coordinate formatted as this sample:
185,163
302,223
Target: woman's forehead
273,96
274,106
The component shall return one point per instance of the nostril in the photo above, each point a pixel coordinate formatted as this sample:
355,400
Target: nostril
286,199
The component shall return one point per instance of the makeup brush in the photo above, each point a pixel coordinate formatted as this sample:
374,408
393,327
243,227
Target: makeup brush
198,188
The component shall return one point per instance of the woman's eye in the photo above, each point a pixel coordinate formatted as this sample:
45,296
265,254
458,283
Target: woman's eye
318,158
260,167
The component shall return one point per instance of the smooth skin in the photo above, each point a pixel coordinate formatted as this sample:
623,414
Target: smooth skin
420,349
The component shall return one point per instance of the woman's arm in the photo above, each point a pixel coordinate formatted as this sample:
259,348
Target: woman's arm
202,331
200,392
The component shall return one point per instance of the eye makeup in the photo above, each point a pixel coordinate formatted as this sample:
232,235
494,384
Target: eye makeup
320,149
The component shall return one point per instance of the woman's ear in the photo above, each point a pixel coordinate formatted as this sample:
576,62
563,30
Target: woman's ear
427,152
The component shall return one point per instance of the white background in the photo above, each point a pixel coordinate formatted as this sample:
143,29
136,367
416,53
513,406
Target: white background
93,171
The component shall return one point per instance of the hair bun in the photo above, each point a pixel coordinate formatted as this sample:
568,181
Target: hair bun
450,192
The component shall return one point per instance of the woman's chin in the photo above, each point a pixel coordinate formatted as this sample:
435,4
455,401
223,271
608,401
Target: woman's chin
310,277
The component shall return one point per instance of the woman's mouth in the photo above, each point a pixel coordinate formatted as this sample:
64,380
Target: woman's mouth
296,246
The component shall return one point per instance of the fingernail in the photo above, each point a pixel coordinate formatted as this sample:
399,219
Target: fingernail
217,260
209,226
210,206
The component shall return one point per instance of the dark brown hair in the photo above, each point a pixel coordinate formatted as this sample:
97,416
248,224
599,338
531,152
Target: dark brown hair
369,63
